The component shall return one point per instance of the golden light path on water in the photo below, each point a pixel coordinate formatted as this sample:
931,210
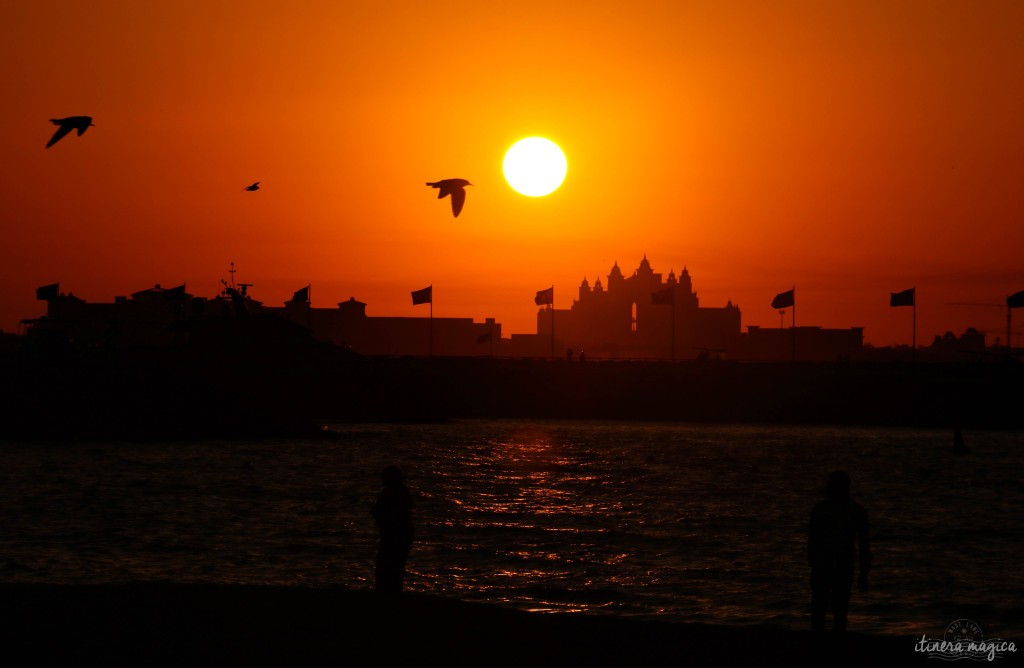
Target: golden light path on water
531,484
684,522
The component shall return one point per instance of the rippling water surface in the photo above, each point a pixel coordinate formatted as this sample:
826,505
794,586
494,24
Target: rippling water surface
684,522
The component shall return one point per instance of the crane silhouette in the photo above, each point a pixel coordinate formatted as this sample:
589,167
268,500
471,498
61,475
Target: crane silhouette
1009,311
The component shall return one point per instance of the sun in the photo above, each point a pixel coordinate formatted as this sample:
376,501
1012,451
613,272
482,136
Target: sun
535,166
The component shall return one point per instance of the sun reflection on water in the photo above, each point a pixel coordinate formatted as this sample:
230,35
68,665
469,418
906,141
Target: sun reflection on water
697,522
541,521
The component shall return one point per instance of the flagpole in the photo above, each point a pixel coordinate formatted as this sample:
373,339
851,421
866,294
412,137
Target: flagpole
552,307
913,331
794,323
1016,300
431,320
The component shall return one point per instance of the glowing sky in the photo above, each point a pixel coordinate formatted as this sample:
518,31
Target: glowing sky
849,149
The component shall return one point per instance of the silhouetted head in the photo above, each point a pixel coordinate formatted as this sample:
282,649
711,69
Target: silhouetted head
838,487
392,476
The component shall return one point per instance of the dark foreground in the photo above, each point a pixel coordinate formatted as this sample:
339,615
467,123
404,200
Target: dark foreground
216,625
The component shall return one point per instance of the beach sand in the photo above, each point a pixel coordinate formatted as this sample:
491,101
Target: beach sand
221,625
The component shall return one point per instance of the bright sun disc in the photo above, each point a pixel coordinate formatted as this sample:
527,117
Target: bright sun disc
535,166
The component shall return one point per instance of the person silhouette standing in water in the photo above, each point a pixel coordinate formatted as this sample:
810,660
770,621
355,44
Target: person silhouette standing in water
837,536
393,512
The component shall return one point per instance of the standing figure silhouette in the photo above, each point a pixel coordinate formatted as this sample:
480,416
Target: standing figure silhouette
393,512
837,535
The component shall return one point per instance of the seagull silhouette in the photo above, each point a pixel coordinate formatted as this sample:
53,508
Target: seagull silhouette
455,188
255,186
80,123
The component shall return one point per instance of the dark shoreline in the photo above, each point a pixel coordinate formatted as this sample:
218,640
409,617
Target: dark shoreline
276,391
147,624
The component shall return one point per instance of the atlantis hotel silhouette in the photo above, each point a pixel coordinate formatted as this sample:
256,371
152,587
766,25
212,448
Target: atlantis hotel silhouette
643,316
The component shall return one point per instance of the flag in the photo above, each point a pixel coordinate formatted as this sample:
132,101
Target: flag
48,292
1016,300
484,338
784,299
664,296
301,295
424,296
545,296
905,298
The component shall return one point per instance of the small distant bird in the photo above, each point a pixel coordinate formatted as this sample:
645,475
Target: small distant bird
80,123
455,188
253,187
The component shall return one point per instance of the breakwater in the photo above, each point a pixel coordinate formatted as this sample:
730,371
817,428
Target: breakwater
282,386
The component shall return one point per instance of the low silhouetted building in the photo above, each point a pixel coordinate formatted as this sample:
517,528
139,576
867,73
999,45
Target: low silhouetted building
155,317
140,320
349,326
815,344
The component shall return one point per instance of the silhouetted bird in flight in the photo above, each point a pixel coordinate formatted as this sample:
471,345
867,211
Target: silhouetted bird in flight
455,188
255,186
80,123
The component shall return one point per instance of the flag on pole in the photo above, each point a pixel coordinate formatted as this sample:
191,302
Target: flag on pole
424,296
301,295
905,298
664,296
1016,300
545,296
48,292
484,338
784,299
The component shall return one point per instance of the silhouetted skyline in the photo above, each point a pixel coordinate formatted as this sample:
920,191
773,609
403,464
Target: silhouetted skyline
617,318
848,150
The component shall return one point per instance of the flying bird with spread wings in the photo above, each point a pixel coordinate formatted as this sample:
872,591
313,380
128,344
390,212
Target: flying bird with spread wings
80,123
253,187
455,188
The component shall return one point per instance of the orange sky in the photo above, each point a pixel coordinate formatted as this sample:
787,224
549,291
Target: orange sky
850,149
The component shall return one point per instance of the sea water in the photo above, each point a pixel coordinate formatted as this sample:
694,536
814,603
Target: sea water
681,522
